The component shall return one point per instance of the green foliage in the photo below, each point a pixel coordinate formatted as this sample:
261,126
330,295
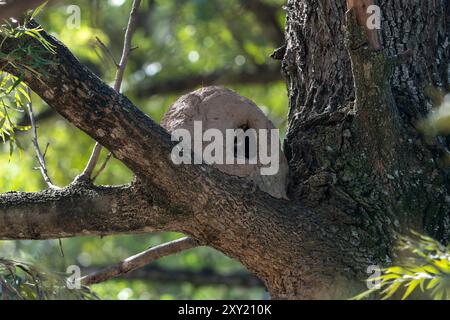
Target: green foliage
13,92
423,268
27,51
20,281
13,97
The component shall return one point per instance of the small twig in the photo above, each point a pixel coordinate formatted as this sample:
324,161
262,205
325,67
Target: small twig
39,155
108,52
140,260
203,277
131,27
102,167
46,149
92,163
61,249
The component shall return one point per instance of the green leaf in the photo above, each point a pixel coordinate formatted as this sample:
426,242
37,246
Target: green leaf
433,283
391,290
411,286
14,85
431,269
38,10
423,259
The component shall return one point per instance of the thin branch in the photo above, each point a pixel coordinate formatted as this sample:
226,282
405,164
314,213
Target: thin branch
162,194
81,210
107,51
46,149
141,259
203,277
138,131
131,27
103,166
145,90
90,166
39,155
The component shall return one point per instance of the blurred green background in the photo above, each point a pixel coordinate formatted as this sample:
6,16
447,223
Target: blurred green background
182,45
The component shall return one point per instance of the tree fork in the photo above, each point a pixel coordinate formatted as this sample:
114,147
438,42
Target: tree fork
228,213
342,213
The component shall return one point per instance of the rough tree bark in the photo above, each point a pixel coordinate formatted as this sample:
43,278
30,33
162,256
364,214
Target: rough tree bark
359,169
364,158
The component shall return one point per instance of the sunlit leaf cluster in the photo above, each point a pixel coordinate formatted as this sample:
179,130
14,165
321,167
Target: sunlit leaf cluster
14,94
423,270
13,97
20,281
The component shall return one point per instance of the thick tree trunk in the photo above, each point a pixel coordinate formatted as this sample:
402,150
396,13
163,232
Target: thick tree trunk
364,158
359,169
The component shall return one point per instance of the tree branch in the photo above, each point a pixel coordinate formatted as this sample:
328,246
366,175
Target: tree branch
105,115
78,210
140,260
39,155
145,90
205,277
102,167
221,211
131,27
